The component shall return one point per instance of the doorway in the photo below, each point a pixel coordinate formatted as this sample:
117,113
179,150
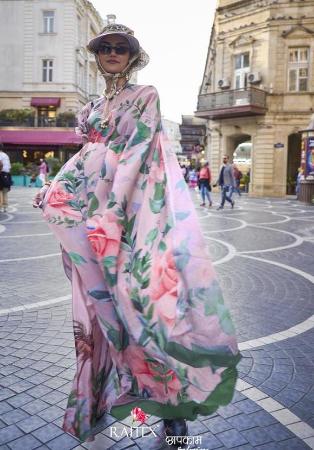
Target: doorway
294,161
239,149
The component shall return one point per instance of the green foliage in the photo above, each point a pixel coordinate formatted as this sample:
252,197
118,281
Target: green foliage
17,116
54,166
17,168
66,119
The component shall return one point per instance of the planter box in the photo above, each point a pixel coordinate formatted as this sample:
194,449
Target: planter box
18,180
38,183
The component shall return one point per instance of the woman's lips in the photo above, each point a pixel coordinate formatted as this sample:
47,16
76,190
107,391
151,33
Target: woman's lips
113,61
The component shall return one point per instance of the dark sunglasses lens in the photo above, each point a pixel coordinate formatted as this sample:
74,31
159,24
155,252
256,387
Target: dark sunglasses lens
107,49
121,50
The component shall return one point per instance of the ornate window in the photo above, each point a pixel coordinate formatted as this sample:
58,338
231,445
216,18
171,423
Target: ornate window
242,68
47,70
49,18
298,69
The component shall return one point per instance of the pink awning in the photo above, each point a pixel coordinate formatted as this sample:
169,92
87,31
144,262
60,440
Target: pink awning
45,101
39,137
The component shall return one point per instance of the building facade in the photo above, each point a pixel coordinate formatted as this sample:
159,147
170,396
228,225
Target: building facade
172,130
193,140
258,88
46,71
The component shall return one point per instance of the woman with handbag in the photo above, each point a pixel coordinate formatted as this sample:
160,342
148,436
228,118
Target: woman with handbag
150,328
204,183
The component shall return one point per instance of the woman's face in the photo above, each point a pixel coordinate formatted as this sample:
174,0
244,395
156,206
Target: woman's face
109,53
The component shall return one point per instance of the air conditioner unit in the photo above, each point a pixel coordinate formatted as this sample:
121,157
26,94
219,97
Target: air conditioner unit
224,83
254,77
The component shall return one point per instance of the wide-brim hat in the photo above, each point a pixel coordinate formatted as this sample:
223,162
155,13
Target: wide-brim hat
142,58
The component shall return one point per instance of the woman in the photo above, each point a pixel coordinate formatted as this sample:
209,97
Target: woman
204,182
193,178
43,171
150,327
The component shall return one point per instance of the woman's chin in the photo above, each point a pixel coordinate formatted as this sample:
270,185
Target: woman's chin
113,70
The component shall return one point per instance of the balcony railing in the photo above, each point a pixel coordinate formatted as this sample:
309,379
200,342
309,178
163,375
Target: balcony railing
42,123
232,103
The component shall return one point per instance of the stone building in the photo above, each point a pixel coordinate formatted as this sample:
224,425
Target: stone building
172,130
46,69
258,87
193,139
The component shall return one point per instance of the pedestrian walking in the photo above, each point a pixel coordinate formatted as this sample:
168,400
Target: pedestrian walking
150,328
193,179
226,182
299,177
237,174
43,171
204,182
5,179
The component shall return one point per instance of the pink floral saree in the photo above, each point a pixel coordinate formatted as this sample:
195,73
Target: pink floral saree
150,326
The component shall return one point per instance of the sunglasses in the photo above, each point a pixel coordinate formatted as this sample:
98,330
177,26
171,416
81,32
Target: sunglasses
106,49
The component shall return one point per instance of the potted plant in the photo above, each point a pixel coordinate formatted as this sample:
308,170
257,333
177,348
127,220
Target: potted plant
66,119
17,173
17,117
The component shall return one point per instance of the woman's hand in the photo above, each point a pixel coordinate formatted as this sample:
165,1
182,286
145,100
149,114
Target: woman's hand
39,197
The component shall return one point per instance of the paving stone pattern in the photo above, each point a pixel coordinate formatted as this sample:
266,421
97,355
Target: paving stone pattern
265,295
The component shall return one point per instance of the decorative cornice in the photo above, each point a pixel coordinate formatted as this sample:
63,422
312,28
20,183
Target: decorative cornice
242,40
305,30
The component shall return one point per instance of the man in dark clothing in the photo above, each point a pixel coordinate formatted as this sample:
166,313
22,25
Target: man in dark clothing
226,182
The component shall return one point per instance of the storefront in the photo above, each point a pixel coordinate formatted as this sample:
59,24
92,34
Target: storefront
29,145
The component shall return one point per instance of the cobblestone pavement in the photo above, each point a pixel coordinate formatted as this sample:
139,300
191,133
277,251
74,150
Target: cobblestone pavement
263,252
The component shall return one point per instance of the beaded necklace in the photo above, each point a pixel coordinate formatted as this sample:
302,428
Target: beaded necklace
114,92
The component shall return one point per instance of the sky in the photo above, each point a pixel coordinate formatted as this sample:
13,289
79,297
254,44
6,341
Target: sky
175,34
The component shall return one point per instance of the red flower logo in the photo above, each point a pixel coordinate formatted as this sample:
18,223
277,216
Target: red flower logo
138,415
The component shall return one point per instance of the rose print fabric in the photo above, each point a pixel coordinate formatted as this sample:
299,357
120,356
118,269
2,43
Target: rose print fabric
150,326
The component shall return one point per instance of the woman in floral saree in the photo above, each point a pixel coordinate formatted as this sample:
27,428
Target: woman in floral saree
150,327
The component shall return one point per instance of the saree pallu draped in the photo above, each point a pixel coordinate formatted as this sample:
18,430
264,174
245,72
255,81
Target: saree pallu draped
150,326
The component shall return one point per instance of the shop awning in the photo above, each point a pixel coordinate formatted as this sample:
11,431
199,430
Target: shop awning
39,137
45,101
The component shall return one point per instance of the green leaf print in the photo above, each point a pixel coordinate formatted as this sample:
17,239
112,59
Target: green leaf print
100,295
150,312
93,204
72,399
144,168
156,156
159,191
162,246
136,300
225,319
110,261
103,170
182,256
143,132
111,278
156,205
158,201
151,236
202,357
118,148
120,339
76,258
112,200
